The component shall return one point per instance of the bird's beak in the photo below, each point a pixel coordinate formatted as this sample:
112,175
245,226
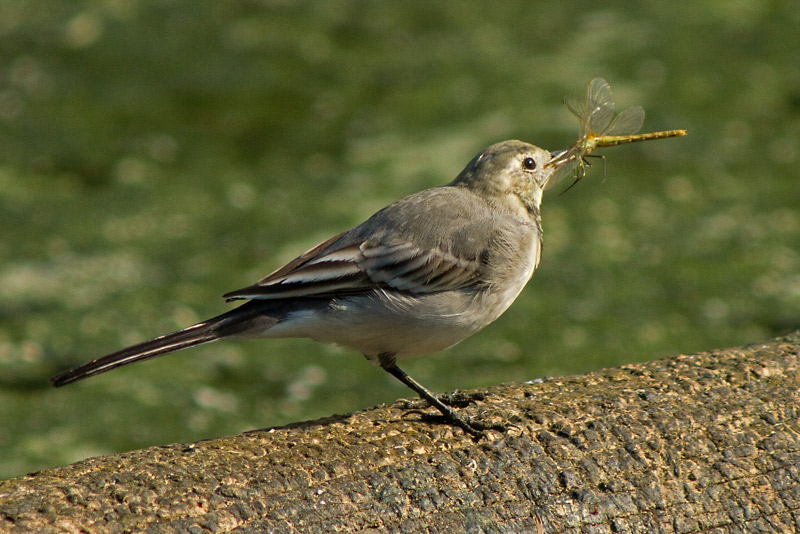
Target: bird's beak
556,162
555,158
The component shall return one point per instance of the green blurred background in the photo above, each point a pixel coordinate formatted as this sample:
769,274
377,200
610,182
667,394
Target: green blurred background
156,154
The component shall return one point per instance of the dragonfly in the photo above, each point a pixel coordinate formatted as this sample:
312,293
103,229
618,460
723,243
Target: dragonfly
600,128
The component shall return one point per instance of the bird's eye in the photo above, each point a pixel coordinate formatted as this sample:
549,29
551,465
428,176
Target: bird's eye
528,164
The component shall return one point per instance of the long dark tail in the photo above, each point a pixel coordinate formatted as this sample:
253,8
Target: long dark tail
234,322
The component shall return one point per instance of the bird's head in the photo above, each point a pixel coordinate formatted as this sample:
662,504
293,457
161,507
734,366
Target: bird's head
513,173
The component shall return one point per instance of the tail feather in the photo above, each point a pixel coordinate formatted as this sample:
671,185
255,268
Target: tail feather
188,337
233,323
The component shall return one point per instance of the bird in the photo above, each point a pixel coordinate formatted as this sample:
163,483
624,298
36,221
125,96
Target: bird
418,276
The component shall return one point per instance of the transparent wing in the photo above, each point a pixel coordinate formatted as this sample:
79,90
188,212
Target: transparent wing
628,122
596,111
599,93
599,105
576,106
600,118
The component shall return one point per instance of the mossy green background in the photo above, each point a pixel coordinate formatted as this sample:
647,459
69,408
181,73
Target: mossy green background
156,154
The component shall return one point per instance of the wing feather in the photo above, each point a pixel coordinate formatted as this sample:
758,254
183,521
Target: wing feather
401,266
394,250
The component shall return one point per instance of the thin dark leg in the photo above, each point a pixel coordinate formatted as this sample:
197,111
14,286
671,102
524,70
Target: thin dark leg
449,414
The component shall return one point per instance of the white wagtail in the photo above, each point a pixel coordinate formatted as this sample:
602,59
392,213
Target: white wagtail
418,276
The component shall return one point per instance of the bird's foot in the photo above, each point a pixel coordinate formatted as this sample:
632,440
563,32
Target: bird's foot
469,425
461,399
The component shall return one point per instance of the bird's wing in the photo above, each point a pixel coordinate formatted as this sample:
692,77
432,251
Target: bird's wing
391,251
358,267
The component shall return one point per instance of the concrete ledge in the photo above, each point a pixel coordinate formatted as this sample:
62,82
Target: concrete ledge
703,443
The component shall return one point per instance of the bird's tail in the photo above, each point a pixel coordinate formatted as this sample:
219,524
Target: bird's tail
234,322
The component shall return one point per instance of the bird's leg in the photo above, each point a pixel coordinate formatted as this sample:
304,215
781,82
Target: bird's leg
387,361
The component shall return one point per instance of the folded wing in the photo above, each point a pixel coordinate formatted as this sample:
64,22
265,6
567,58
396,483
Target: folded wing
330,270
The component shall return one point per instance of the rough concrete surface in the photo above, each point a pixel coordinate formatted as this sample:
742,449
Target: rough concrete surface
708,442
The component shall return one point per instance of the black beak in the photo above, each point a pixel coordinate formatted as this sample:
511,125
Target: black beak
555,158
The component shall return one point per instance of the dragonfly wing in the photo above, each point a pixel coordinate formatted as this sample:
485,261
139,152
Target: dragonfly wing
628,122
599,93
596,111
600,106
600,118
576,106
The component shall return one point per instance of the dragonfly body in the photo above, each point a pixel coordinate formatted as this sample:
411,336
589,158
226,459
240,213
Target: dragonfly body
600,128
604,141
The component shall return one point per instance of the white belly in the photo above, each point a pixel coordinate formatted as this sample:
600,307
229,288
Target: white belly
385,321
390,322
